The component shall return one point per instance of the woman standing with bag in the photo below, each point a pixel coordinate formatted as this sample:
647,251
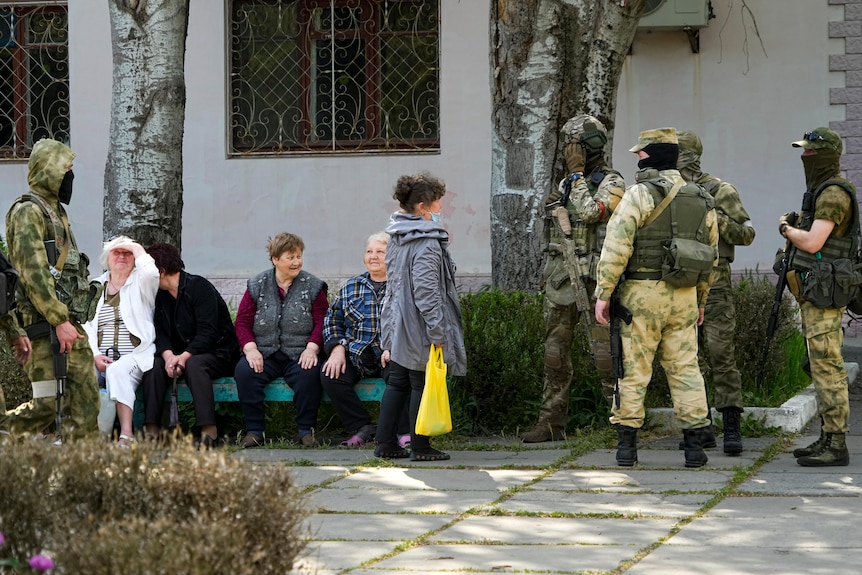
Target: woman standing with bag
421,309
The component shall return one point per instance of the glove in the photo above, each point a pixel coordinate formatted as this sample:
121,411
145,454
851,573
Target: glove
576,160
556,194
788,219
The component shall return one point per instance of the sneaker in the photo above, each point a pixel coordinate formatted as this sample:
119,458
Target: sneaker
404,441
251,440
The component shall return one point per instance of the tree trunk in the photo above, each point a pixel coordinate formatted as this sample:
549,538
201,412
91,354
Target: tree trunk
550,60
144,170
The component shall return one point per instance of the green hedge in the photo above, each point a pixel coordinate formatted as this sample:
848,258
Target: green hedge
504,335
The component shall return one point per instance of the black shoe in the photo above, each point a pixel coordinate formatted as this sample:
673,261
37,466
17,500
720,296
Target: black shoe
627,446
251,440
694,439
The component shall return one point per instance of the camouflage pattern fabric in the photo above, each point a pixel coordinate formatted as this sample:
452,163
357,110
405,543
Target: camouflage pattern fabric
719,323
25,234
664,322
81,402
665,318
588,210
824,338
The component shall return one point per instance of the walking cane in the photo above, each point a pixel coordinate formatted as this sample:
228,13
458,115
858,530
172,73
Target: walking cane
175,411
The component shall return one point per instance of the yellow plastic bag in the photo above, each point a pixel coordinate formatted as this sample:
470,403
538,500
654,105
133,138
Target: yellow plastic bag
434,416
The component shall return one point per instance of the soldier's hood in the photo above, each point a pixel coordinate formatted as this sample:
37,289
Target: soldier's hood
49,162
407,227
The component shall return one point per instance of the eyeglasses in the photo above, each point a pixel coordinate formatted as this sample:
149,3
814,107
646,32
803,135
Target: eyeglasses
813,137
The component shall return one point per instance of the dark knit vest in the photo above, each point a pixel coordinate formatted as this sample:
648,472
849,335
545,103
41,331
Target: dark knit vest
283,325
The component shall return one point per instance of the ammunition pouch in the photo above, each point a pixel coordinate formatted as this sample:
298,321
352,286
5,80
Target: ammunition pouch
831,285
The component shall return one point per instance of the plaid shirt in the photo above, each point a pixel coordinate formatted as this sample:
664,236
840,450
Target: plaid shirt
353,319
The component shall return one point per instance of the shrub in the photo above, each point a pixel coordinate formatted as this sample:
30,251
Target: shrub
502,391
97,509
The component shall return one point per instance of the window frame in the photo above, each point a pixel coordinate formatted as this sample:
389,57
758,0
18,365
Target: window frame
22,95
371,89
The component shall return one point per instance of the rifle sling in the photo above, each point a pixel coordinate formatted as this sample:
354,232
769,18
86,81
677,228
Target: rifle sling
664,203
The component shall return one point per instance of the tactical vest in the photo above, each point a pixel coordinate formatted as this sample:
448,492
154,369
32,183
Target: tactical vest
587,238
684,218
72,286
283,325
726,250
835,247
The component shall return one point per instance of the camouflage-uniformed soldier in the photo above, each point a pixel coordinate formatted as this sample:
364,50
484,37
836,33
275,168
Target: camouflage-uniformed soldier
665,317
577,226
22,347
719,321
822,234
65,301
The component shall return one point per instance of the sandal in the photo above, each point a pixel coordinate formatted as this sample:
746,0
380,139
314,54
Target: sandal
389,451
125,441
430,455
362,438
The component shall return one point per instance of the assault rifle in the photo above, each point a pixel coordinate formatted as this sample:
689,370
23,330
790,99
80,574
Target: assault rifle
772,325
573,263
60,359
618,312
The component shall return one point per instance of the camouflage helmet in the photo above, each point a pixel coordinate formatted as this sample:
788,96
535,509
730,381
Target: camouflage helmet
819,139
587,130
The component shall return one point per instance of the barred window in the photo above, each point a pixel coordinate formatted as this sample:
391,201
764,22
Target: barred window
333,76
34,75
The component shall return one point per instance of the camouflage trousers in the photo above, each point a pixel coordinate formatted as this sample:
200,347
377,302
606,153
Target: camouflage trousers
664,322
560,324
4,419
824,338
80,402
719,323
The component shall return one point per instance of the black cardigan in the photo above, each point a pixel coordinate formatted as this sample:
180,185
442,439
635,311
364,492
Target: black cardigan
198,321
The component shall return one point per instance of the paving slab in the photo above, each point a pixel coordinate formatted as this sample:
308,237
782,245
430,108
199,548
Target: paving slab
371,527
508,558
633,481
759,532
397,500
555,531
688,560
307,476
589,503
321,556
437,479
790,511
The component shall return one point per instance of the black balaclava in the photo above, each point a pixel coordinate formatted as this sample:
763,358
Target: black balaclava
661,157
820,167
64,194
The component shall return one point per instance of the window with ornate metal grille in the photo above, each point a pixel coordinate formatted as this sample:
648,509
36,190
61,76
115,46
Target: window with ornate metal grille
333,76
34,75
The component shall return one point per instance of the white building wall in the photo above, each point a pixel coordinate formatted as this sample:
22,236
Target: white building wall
746,108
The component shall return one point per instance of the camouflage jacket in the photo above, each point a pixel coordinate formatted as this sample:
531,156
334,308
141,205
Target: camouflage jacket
9,328
589,207
734,223
629,216
27,228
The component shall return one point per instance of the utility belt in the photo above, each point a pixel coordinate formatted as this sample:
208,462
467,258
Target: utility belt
655,276
38,330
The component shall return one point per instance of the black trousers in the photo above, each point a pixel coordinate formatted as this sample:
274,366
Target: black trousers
403,390
199,374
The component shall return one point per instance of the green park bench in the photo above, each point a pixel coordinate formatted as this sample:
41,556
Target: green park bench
224,389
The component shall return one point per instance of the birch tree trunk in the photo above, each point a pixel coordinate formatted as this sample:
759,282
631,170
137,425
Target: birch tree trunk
550,60
144,170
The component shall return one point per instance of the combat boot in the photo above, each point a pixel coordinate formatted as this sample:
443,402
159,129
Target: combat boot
708,437
732,431
814,448
833,453
627,445
544,432
693,439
